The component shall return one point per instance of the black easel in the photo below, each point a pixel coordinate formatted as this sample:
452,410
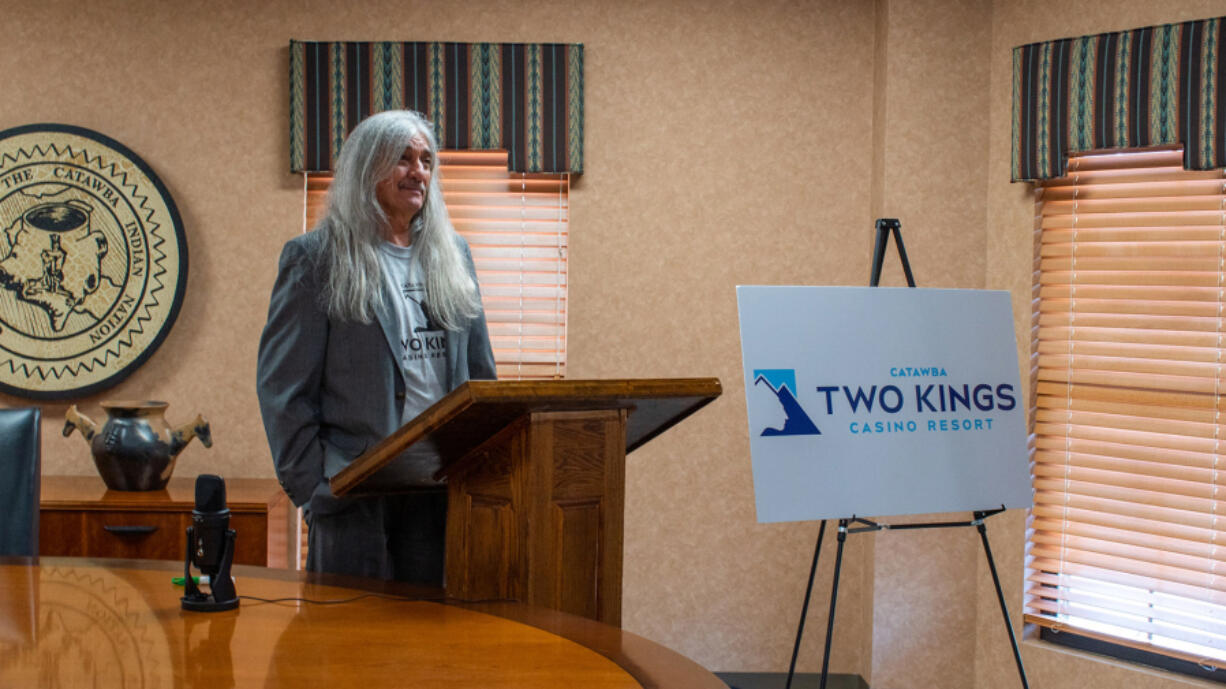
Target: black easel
886,226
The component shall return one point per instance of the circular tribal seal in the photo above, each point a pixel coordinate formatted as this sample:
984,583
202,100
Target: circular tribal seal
93,261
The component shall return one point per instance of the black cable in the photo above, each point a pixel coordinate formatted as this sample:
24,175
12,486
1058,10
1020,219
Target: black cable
337,601
401,599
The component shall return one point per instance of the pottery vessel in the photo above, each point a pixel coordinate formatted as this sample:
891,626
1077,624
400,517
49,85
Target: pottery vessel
136,449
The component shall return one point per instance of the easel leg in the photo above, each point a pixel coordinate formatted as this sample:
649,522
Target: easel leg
805,608
834,595
1000,597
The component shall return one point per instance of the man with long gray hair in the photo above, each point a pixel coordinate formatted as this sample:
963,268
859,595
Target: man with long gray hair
374,316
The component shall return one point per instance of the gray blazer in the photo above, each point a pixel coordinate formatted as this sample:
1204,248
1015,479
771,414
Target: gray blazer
329,389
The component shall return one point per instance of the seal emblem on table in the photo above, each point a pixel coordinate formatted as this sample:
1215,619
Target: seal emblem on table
93,261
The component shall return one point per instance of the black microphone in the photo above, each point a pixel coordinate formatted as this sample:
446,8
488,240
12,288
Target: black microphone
210,546
210,520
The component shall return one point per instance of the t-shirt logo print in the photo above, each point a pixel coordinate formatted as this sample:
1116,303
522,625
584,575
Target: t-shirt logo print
416,293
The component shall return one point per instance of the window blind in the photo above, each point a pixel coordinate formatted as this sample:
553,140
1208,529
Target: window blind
1126,536
516,225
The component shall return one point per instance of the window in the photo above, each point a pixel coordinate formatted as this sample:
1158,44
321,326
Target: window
1128,537
516,225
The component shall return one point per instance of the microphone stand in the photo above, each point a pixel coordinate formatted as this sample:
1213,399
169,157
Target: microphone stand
222,595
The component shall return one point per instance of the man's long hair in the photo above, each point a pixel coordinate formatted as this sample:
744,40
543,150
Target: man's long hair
354,226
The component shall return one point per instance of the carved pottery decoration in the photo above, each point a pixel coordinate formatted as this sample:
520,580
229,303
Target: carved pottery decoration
136,449
93,261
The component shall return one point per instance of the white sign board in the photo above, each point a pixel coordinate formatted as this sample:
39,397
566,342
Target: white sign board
877,401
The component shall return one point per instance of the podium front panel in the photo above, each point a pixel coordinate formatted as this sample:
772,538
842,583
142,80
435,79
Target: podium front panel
537,515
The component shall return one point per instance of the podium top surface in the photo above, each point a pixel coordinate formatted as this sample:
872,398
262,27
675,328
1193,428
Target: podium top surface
472,413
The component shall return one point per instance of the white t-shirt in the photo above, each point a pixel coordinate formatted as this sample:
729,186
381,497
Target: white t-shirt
423,344
423,359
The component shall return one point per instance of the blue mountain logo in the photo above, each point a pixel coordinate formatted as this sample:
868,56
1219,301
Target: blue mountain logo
782,382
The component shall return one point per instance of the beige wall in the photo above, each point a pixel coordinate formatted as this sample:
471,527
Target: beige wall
933,169
726,143
739,134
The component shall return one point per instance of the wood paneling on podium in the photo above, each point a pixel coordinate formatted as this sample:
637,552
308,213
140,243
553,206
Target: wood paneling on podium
536,482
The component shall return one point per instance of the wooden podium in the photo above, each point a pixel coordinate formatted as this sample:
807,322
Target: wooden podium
536,482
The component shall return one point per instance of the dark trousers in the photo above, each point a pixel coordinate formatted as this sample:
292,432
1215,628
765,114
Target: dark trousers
397,537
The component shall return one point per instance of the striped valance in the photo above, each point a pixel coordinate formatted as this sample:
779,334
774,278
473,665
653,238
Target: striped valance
526,98
1145,87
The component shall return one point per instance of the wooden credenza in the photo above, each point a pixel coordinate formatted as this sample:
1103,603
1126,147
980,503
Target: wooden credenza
81,517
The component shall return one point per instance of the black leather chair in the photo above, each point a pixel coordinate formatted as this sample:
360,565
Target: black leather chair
20,477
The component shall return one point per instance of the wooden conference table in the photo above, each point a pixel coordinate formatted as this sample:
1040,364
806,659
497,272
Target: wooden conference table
67,622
